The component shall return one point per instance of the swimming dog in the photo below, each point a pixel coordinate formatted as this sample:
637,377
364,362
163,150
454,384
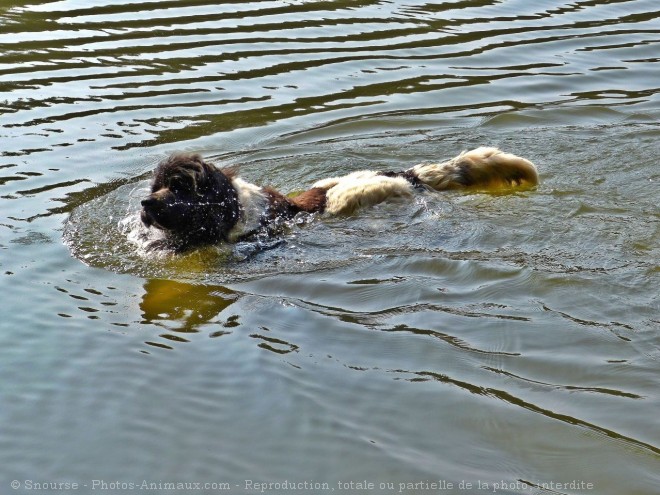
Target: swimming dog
196,203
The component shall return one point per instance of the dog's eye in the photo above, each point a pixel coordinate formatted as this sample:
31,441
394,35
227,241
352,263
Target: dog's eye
179,184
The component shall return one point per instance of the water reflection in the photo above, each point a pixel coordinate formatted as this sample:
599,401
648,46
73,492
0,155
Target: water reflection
183,308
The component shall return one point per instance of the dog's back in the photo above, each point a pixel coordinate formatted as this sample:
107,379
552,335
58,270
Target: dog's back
482,168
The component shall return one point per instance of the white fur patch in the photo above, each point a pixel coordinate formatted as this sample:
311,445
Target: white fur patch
253,203
361,189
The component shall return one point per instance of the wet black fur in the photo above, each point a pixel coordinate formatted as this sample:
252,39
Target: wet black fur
192,200
409,175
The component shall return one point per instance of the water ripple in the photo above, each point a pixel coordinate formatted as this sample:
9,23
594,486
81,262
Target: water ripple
516,401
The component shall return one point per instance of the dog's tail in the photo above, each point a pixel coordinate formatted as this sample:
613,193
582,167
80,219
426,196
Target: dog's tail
481,168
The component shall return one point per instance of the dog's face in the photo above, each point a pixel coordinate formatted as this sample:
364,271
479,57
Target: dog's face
192,200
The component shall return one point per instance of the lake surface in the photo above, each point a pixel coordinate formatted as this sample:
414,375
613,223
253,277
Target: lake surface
458,343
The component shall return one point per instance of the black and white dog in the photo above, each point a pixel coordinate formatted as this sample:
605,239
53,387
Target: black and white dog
196,203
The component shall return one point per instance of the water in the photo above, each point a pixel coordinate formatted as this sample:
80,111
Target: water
459,343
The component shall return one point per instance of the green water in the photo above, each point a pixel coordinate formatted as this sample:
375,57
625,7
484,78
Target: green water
457,343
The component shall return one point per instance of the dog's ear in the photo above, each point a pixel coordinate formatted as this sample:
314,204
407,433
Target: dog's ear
210,169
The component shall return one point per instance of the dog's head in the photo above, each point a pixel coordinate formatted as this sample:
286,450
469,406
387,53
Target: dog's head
192,200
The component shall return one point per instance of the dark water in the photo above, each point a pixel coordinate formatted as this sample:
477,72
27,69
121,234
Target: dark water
460,343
